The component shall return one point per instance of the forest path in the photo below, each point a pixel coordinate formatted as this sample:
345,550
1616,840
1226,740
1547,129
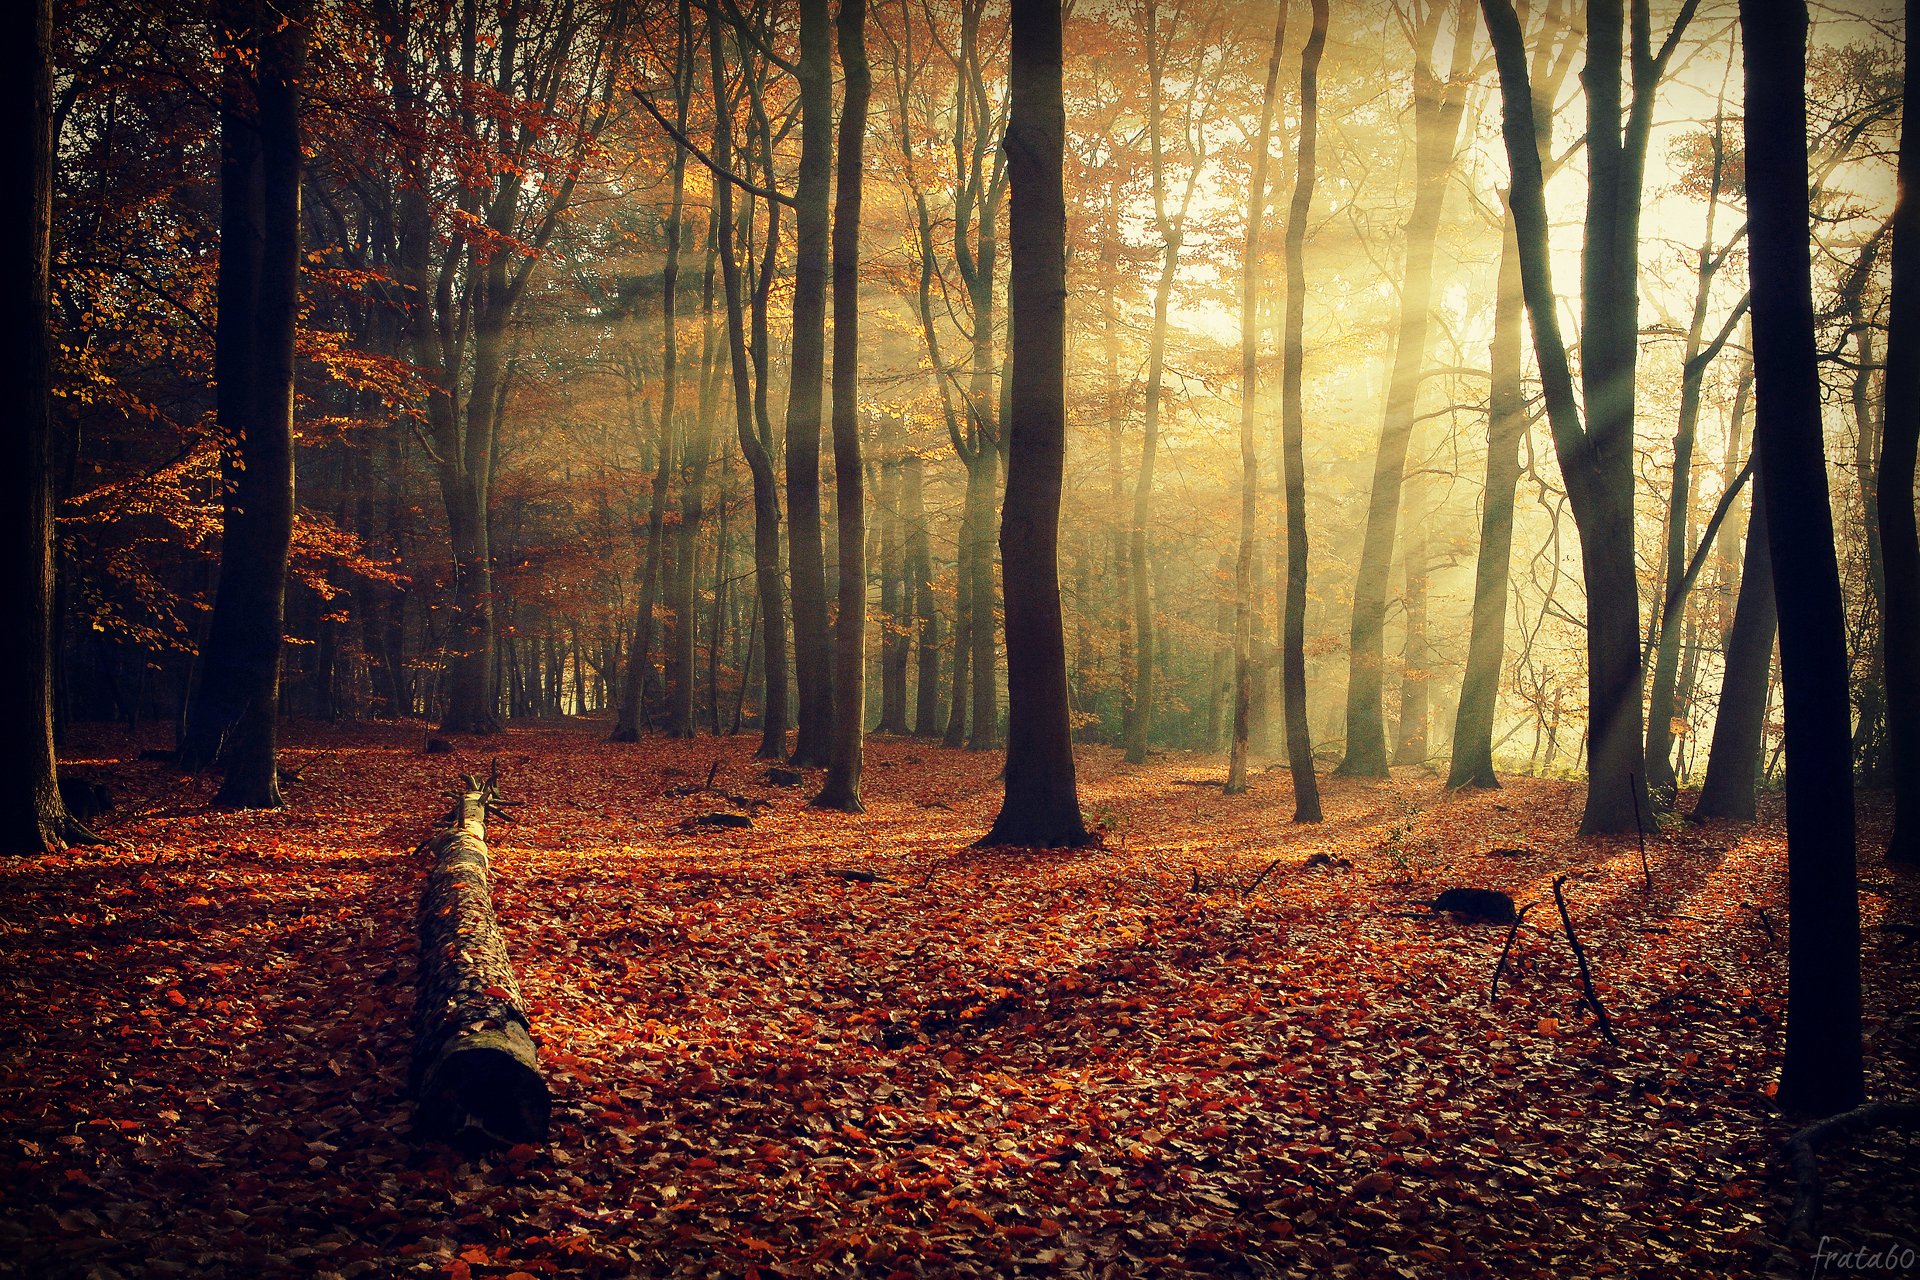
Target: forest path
988,1062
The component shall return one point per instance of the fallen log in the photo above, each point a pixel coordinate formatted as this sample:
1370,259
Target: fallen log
475,1075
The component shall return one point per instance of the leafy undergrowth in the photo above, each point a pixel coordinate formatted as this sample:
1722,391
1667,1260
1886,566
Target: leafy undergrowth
1113,1062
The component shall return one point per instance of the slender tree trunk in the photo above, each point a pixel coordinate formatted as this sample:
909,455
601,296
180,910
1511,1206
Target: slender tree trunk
235,708
983,475
1822,1072
1042,805
1661,782
681,603
1437,108
1244,604
1410,739
813,653
750,425
633,691
1899,544
36,819
1472,764
959,686
926,693
1293,639
896,582
842,789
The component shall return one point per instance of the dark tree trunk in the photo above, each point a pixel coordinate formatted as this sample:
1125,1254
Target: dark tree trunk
806,567
1042,804
1245,606
749,424
1472,764
842,788
1437,108
1595,454
36,819
1900,548
1293,639
1822,1071
233,713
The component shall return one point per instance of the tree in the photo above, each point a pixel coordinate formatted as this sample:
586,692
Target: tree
1293,427
806,557
1739,723
1042,804
1822,1072
35,818
749,398
1437,108
1593,432
233,711
475,200
1900,548
1243,602
1507,421
633,698
842,788
1172,228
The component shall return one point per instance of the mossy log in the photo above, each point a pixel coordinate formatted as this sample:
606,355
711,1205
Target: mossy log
476,1078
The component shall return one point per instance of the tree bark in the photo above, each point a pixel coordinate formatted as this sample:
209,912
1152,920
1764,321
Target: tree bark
842,788
750,426
1472,763
475,1075
1293,639
926,694
1899,544
1822,1071
1595,454
1042,806
1437,109
1739,723
233,713
35,818
1243,586
806,567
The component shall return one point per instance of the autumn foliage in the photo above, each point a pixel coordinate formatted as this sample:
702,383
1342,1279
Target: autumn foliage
1116,1061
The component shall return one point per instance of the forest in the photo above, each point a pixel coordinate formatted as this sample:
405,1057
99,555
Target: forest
935,638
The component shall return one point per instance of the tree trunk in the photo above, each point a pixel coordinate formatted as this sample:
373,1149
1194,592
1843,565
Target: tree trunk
1822,1071
1293,639
632,718
474,1069
1899,544
234,710
749,424
813,654
696,458
1410,738
1595,453
896,586
926,694
1042,805
36,819
842,788
1472,763
1437,108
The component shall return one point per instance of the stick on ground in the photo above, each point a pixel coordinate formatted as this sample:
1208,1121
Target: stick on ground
1519,918
1580,955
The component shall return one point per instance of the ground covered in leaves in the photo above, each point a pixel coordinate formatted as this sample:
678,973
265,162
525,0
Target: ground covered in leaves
1125,1061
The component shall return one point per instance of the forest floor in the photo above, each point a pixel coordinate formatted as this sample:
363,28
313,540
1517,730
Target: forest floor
1112,1062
